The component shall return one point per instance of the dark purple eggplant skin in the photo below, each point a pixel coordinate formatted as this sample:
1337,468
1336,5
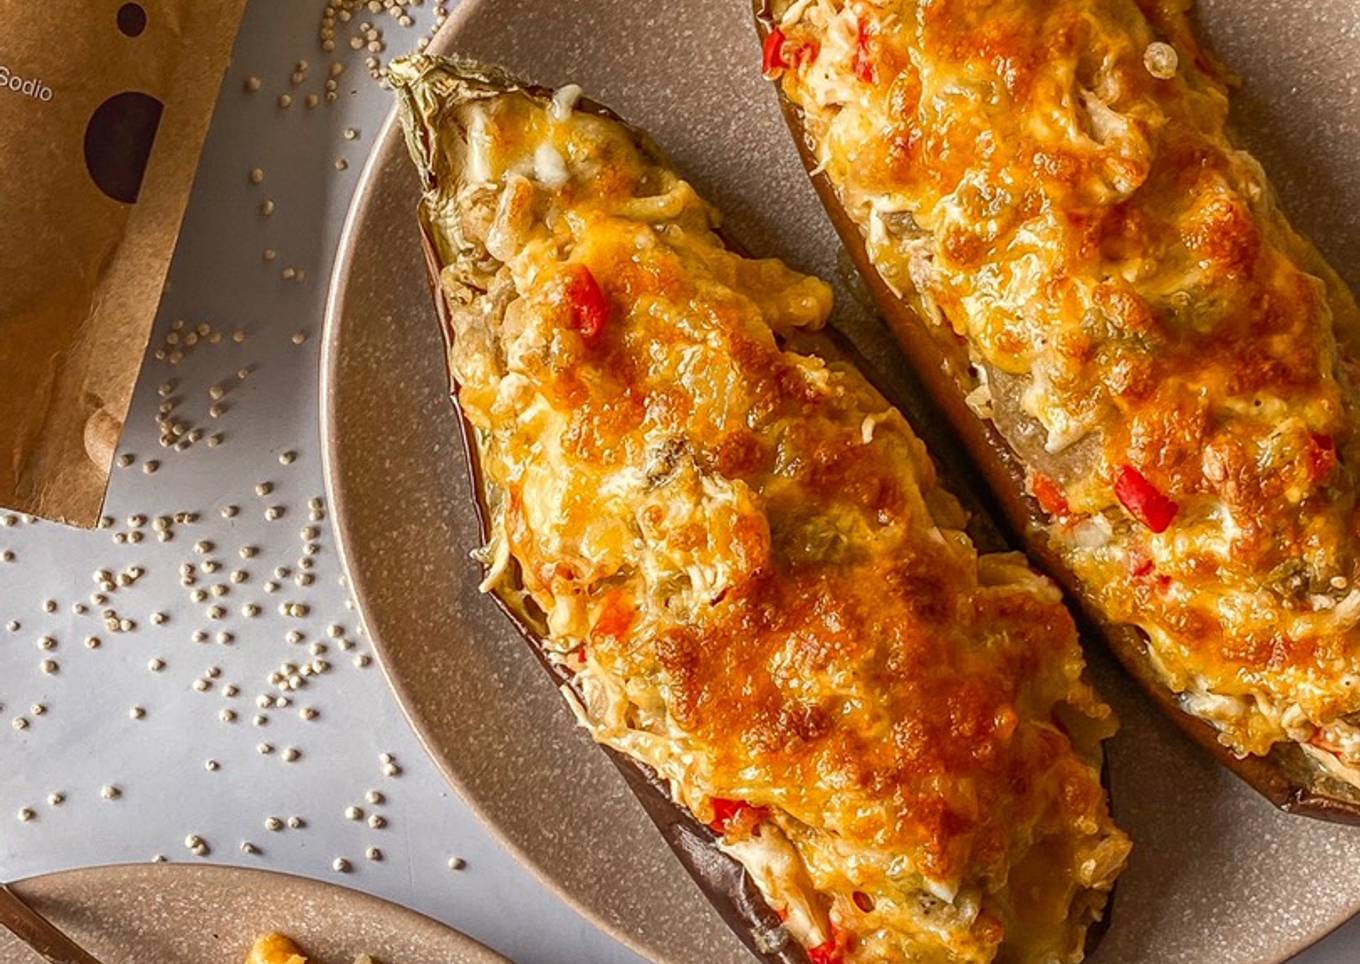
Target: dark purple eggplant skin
938,358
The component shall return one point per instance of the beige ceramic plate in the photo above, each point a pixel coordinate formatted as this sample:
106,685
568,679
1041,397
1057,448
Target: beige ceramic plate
1217,874
184,914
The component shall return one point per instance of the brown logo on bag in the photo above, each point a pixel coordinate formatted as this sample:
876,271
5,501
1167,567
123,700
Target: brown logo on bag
122,130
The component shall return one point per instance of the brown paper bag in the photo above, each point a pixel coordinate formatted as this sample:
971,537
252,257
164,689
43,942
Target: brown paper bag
103,110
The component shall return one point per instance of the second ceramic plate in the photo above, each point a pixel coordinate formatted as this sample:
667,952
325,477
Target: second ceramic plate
1216,874
199,914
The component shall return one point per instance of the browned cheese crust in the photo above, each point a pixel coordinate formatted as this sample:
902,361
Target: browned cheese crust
743,556
1052,186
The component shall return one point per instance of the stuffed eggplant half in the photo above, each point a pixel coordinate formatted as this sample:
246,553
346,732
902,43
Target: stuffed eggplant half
736,556
1156,373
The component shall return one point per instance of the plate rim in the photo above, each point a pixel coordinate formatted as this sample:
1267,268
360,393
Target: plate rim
117,867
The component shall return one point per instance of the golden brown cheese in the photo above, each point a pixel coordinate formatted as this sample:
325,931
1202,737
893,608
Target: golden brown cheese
275,948
743,554
1054,182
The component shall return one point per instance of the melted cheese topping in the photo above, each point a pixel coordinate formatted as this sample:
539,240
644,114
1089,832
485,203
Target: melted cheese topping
743,555
1053,185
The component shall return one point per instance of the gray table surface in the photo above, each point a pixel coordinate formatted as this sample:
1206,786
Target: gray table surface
73,731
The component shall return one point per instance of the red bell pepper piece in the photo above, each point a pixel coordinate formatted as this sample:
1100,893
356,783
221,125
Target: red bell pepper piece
589,307
772,60
832,950
1143,500
1049,495
826,953
864,67
725,811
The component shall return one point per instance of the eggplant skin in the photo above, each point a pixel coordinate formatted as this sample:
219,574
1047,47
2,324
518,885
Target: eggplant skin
815,552
1286,776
